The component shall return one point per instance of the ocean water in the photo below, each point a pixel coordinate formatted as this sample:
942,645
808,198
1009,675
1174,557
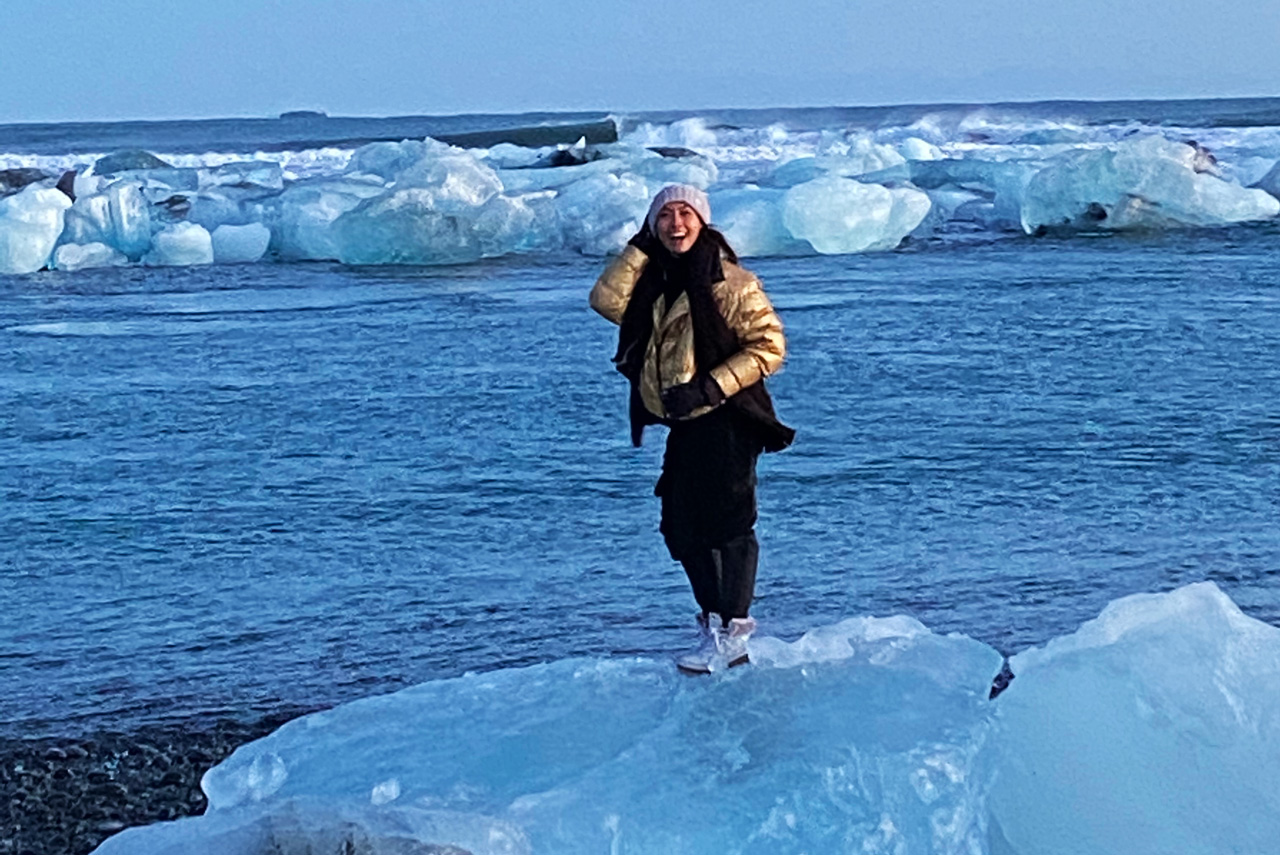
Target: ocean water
1034,360
230,488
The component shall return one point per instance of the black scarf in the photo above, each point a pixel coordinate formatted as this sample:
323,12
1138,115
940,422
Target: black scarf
692,273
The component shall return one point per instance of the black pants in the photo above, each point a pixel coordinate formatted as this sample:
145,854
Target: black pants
724,578
708,492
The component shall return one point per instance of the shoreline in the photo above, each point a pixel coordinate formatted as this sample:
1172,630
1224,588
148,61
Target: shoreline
65,795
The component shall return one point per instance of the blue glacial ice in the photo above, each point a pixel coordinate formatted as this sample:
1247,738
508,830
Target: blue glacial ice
1147,183
775,192
114,214
240,244
180,245
837,215
1154,728
84,256
1150,730
30,223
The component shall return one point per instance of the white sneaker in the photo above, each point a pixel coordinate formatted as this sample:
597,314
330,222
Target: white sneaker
720,647
701,659
733,641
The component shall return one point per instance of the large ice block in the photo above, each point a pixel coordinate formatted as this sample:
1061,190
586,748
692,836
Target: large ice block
180,245
30,222
868,736
75,256
1152,730
840,215
240,244
1147,183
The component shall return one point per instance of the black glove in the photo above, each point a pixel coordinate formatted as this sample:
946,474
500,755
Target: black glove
645,241
701,391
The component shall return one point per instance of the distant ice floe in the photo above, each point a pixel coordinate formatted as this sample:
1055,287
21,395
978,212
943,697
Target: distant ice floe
1150,730
773,191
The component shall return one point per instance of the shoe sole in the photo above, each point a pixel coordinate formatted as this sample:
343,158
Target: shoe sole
744,659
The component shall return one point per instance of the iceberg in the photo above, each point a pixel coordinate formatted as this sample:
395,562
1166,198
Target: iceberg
240,244
780,189
914,148
1150,730
1153,729
751,221
180,245
250,175
1148,183
866,736
30,222
305,212
839,215
74,256
118,216
417,225
601,213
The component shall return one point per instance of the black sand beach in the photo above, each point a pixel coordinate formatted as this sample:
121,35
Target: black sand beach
65,796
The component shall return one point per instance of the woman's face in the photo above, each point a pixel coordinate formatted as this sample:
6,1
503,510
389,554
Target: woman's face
678,227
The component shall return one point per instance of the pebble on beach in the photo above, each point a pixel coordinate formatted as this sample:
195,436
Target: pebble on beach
65,796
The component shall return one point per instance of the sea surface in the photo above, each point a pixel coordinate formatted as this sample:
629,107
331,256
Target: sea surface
233,489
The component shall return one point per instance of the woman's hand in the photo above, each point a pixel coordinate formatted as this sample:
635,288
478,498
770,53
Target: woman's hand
645,241
701,391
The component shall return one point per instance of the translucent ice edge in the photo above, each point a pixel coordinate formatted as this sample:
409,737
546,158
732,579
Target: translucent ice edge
773,192
1152,729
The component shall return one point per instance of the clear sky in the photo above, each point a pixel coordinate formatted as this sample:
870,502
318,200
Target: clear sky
66,60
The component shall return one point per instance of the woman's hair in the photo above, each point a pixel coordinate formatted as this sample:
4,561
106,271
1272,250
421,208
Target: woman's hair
715,235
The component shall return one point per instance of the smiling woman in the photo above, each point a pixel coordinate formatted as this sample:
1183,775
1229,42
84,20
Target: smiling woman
698,336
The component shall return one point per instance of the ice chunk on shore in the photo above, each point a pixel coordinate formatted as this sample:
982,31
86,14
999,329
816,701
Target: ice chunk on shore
180,245
868,736
417,225
119,216
602,212
309,827
1150,730
30,222
459,181
751,221
839,215
305,212
1153,729
75,256
387,159
1145,183
240,244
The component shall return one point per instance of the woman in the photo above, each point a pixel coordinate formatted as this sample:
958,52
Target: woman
697,338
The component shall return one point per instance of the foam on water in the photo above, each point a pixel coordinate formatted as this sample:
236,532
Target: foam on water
1148,731
420,201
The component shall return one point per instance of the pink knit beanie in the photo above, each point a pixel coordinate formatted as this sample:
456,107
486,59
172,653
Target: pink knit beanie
691,196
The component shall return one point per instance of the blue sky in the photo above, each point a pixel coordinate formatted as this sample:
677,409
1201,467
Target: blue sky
65,60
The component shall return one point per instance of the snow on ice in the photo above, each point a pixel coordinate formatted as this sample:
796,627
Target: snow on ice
1150,730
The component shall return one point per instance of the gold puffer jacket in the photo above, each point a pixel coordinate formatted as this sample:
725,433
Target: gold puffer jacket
669,357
